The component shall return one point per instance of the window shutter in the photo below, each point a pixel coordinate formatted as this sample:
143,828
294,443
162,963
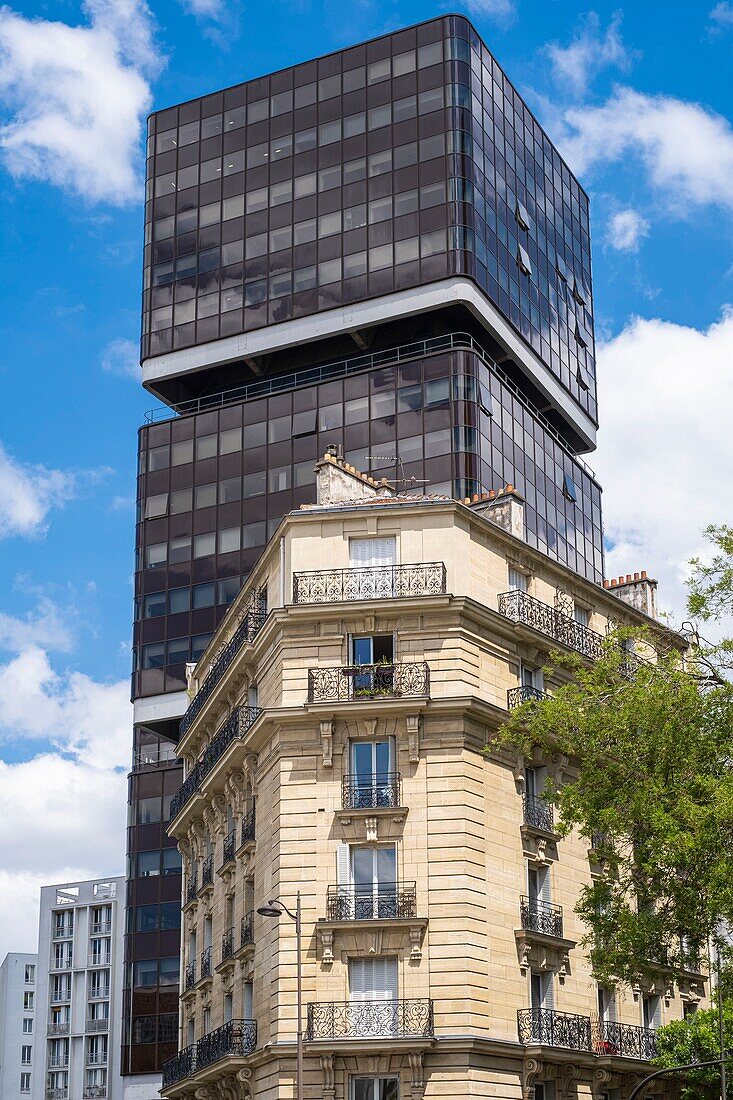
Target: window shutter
545,893
342,865
357,979
548,990
366,552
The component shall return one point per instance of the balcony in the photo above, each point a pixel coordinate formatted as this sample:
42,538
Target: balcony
205,964
96,1057
94,1092
100,1023
237,1039
380,790
58,1027
545,1027
99,993
101,928
520,608
541,917
61,964
57,1094
58,1061
192,887
189,977
248,827
60,997
249,626
538,814
246,932
387,901
63,933
207,873
236,726
357,682
230,844
524,694
380,582
100,958
353,1020
624,1041
227,946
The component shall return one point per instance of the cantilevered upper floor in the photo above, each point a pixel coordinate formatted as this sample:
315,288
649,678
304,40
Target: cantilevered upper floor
292,215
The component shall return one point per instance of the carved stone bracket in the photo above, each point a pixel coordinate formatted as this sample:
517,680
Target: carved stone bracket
326,937
600,1082
416,938
328,1076
370,824
519,773
250,771
531,1068
327,725
417,1075
567,1078
412,722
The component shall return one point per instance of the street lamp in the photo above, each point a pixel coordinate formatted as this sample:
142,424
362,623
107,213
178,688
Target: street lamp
275,908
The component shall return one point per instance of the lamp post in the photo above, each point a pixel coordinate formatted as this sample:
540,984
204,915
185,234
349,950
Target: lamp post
275,908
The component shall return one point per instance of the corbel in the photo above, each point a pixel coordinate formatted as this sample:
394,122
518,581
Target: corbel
413,737
327,725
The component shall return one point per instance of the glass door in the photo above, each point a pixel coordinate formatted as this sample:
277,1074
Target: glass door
374,877
371,769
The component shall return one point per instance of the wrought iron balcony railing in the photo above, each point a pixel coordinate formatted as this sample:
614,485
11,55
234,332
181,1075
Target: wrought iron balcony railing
248,628
624,1040
370,1020
522,608
371,582
230,844
385,901
371,791
247,929
236,726
227,945
206,963
523,694
541,916
189,976
554,1029
192,886
538,813
207,872
248,826
235,1039
368,682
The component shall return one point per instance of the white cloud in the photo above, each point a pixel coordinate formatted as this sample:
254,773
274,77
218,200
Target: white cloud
28,493
590,51
686,149
122,357
626,230
495,9
205,9
47,626
722,15
75,98
666,447
59,821
84,718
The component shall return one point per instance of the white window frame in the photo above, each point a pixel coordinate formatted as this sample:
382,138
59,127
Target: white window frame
376,1081
373,553
518,581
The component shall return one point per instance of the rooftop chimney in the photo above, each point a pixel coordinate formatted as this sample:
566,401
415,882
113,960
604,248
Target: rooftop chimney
505,509
638,590
339,483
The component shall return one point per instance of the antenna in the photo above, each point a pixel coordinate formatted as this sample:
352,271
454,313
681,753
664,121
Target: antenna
406,482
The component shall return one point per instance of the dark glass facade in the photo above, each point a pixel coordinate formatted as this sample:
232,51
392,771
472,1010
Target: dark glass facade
384,167
387,167
221,481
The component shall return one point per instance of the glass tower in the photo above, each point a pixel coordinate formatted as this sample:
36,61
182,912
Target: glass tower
379,250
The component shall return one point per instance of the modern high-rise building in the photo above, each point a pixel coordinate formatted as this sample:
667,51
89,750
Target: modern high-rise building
18,1025
79,991
379,251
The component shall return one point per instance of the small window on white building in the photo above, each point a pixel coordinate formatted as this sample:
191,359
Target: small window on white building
26,1054
28,1002
25,1082
30,973
27,1025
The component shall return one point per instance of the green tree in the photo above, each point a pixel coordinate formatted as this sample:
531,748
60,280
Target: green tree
696,1039
650,781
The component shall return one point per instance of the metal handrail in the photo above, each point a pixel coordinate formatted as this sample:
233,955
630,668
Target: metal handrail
388,1019
246,630
624,1040
541,916
382,901
349,682
519,607
370,791
237,1038
403,353
246,929
523,694
235,727
248,826
369,583
538,813
546,1027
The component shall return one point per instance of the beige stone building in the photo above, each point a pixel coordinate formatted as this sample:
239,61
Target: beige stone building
338,748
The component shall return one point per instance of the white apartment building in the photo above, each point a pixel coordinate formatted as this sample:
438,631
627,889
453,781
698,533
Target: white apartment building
78,991
18,1003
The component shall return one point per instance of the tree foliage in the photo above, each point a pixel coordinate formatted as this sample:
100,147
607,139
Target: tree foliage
651,770
696,1039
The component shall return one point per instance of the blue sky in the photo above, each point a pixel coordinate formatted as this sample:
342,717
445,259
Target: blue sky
637,97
